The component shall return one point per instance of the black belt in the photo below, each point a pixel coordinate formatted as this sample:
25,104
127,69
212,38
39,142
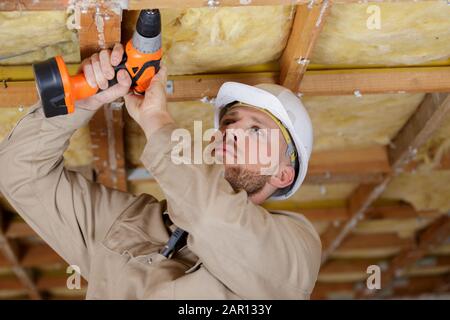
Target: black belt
176,241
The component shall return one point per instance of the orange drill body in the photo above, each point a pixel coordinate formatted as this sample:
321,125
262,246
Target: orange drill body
58,90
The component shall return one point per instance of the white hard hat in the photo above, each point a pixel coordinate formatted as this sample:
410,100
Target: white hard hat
286,107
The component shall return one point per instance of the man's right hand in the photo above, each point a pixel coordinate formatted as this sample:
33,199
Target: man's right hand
98,69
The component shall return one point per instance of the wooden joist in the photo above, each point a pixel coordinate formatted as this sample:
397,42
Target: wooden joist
309,21
101,29
418,129
409,287
314,83
11,253
350,161
375,241
376,80
433,235
17,229
363,165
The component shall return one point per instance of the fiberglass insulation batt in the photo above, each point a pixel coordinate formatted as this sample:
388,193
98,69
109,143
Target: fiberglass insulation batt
204,39
410,33
27,37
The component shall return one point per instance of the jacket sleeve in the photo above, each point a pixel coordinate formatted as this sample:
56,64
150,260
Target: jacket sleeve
256,254
68,211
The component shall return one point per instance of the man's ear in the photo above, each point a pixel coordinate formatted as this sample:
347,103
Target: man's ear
283,178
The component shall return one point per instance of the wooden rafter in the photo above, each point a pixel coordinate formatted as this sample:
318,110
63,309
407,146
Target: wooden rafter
314,83
17,229
10,250
100,29
309,21
418,129
413,287
426,240
362,165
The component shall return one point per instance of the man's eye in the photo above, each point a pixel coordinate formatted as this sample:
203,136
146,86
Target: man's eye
255,129
226,122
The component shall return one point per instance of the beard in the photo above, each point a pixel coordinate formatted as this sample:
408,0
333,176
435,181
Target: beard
243,179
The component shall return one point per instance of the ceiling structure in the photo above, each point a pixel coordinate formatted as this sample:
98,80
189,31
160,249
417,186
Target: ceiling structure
374,79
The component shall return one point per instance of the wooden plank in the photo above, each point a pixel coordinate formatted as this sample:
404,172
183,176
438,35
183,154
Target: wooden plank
429,116
47,282
400,212
314,83
17,94
375,241
377,80
195,87
11,253
342,266
323,291
19,229
100,29
324,178
353,160
417,286
409,287
308,23
107,136
433,235
40,255
363,165
418,129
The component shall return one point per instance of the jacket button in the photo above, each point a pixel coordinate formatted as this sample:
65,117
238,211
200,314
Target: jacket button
149,260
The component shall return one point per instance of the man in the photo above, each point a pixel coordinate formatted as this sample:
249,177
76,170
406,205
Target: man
235,248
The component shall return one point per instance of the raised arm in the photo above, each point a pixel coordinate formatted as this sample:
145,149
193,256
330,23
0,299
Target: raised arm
69,212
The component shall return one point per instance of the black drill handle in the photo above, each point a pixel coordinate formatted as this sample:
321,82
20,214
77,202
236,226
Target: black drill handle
120,66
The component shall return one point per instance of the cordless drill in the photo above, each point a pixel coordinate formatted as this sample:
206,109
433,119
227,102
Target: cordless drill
58,91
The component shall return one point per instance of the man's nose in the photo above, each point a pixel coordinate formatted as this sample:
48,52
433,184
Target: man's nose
229,134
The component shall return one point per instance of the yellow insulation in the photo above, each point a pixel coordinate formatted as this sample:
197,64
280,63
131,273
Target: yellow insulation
439,145
205,40
345,121
28,37
424,190
77,154
408,34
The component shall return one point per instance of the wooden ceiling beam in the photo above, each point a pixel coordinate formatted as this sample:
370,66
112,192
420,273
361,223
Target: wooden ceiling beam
17,229
376,81
11,252
427,239
418,129
314,83
308,23
411,287
101,29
